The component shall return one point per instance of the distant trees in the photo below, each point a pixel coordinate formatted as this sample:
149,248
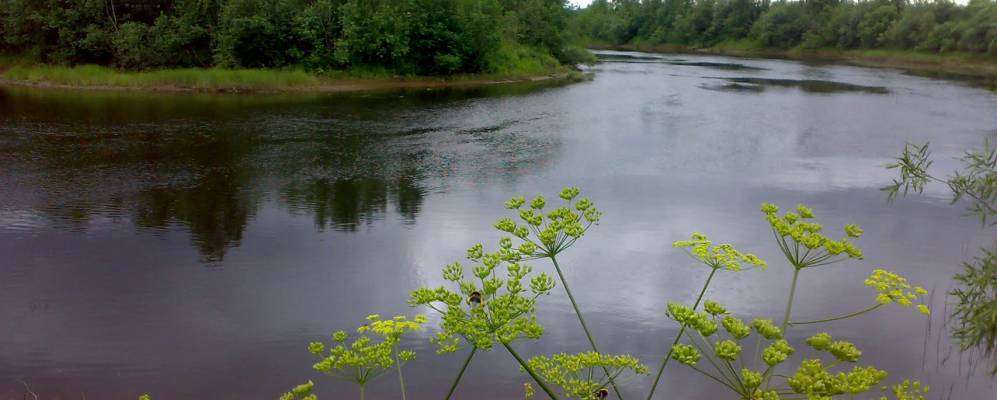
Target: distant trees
939,25
406,36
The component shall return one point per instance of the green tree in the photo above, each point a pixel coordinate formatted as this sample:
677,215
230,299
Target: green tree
875,23
782,26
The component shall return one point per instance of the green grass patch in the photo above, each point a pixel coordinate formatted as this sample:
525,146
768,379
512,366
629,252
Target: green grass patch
198,79
517,61
513,63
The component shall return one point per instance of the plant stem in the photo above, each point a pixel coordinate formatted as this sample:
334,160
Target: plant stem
854,314
581,319
361,392
664,362
401,380
785,318
460,374
714,378
789,303
529,370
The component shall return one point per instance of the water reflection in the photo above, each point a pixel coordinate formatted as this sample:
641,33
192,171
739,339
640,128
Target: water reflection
347,204
215,208
806,85
208,164
615,57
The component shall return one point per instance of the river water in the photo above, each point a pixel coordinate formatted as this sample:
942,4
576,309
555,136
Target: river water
190,246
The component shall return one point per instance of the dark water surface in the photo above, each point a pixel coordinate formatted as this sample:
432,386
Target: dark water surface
191,246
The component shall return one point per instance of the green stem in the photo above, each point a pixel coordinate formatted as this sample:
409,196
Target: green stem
664,362
789,303
361,392
854,314
522,363
581,319
789,310
460,374
401,380
714,378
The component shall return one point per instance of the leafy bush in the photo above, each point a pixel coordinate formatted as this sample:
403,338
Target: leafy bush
255,33
875,23
317,29
782,26
130,46
433,37
58,31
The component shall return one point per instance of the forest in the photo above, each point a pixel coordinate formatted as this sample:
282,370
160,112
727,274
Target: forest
928,26
426,37
446,37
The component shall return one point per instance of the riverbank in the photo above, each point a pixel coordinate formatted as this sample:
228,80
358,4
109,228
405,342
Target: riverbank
977,67
216,80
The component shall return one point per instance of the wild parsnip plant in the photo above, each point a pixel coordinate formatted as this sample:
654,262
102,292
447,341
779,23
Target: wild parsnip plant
749,377
495,304
722,257
545,236
373,353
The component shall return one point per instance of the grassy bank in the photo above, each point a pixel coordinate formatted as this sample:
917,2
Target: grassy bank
955,64
198,79
517,68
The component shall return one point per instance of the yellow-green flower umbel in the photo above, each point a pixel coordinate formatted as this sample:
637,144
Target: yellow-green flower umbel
893,288
802,241
584,375
374,351
721,256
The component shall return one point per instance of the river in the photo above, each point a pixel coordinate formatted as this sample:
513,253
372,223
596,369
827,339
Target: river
190,246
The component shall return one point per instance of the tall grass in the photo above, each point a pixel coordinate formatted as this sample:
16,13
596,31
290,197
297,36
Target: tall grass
198,79
513,60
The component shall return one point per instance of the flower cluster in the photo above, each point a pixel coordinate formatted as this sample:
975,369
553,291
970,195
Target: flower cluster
893,288
735,327
713,308
908,390
727,350
767,329
365,358
813,380
584,375
722,353
809,246
777,352
721,256
546,235
490,307
689,318
686,354
300,392
841,350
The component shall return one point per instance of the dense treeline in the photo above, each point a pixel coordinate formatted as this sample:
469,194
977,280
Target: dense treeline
404,36
939,26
